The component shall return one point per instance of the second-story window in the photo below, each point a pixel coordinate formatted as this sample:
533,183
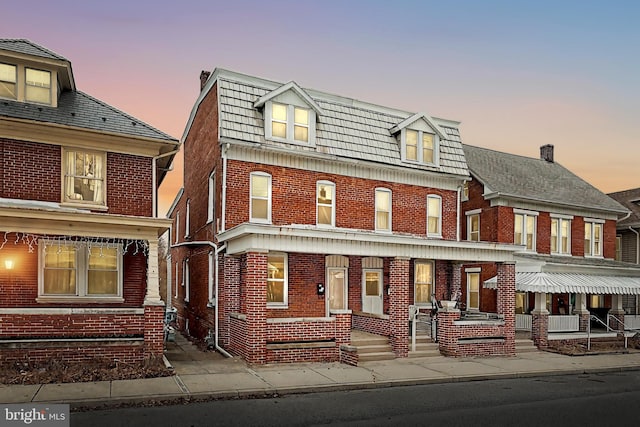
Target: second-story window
8,78
84,177
383,209
260,206
561,236
289,122
434,216
38,86
325,197
187,219
618,248
525,230
211,205
473,226
592,238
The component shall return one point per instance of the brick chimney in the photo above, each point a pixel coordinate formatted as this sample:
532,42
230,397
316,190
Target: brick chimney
546,153
204,75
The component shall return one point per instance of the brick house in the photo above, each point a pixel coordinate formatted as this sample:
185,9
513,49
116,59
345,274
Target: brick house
567,229
305,215
79,234
628,239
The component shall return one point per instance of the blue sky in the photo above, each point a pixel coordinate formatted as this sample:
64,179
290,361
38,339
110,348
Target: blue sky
516,74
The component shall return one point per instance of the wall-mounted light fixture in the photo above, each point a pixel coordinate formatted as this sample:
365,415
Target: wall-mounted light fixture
320,288
8,264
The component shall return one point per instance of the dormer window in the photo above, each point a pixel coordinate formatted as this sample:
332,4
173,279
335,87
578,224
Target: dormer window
420,138
38,86
419,146
8,76
289,123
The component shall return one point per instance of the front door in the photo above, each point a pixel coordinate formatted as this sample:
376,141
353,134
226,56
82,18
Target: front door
336,292
372,291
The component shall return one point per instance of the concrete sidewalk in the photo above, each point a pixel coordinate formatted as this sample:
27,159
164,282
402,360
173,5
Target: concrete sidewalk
207,375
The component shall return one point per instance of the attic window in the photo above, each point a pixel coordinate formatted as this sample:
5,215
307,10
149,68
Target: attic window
38,86
289,123
419,146
8,81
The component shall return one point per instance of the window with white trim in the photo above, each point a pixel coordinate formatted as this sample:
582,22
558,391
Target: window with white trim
423,282
325,203
186,282
187,219
383,209
37,86
211,205
434,216
76,270
561,236
8,79
464,196
473,226
592,238
525,230
596,301
473,291
618,248
84,177
177,278
260,191
277,278
289,123
418,146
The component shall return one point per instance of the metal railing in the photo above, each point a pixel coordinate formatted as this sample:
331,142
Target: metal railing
421,320
597,319
625,327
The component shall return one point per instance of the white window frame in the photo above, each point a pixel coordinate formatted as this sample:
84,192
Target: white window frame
525,215
594,223
177,229
14,82
420,147
432,284
251,197
211,208
290,123
82,272
470,272
470,214
390,221
187,220
84,203
559,220
178,283
186,279
333,203
438,233
281,304
464,194
26,85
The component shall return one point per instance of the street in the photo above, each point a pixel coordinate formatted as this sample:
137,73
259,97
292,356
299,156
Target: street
580,400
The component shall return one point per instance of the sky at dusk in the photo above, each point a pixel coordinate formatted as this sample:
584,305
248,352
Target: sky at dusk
516,74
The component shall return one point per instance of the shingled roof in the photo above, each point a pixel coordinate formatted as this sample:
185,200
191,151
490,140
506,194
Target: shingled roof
534,179
346,128
631,200
29,48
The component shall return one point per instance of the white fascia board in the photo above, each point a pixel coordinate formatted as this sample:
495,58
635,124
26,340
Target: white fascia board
503,199
293,86
340,241
175,202
414,118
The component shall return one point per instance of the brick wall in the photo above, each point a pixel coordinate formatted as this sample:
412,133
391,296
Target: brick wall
399,306
254,294
129,185
131,354
371,324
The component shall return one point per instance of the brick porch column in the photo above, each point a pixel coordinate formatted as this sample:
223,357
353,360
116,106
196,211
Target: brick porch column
255,294
540,322
581,310
507,304
456,281
448,333
228,296
618,312
399,285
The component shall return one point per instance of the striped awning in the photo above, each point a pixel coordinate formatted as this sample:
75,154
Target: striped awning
556,283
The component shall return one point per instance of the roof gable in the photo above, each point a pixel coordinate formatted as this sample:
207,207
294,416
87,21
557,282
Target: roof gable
631,200
414,118
291,86
28,47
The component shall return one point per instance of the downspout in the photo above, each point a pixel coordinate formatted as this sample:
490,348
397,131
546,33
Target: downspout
637,244
224,186
154,177
216,251
459,214
169,285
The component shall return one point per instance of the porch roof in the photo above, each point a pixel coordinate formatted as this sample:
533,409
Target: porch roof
554,283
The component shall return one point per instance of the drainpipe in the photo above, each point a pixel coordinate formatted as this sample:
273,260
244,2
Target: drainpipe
169,286
459,214
154,177
637,244
224,187
216,251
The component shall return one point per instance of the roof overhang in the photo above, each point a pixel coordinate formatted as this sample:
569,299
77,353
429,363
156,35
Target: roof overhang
414,118
339,241
291,86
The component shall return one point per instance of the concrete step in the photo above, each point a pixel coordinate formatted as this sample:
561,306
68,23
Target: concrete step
525,346
381,340
370,357
429,349
375,348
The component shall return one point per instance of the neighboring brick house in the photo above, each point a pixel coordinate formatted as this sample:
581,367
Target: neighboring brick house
78,230
306,214
628,238
567,229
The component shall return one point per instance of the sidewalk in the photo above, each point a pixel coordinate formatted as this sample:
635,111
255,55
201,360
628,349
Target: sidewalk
208,375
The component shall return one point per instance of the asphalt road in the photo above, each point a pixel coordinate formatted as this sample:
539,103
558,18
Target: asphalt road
575,400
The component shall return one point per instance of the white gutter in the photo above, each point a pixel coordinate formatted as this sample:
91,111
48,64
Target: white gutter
154,177
217,251
637,244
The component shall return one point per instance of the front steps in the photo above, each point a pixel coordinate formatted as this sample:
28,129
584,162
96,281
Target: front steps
371,347
524,345
425,347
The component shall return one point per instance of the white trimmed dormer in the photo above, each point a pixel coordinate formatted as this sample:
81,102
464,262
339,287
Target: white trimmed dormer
289,115
420,140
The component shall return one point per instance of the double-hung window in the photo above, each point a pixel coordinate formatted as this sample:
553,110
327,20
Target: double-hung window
325,203
211,205
419,146
186,282
473,225
84,177
37,86
76,270
383,209
260,203
423,282
525,229
277,277
434,216
560,236
473,290
289,122
8,77
593,238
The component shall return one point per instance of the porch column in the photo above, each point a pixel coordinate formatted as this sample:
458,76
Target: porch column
152,296
581,310
456,282
618,312
153,307
399,305
540,321
255,293
506,287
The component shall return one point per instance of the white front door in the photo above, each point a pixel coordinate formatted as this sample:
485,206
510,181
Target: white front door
372,291
336,292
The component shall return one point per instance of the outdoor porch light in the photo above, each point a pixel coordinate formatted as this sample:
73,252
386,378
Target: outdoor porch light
8,264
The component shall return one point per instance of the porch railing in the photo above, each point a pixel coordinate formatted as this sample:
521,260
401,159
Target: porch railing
564,323
523,322
595,318
632,321
422,321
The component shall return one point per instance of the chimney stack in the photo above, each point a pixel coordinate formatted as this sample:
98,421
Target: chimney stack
204,76
546,153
